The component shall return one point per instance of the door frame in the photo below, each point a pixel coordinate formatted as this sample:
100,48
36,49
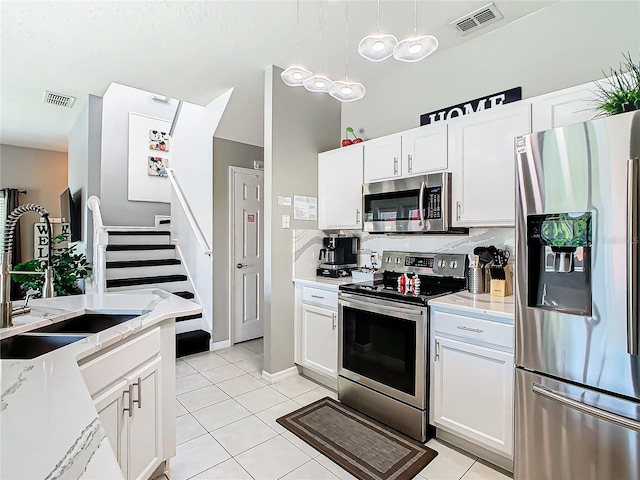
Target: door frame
230,239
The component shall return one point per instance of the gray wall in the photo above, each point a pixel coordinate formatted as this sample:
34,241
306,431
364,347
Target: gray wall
118,101
85,139
568,43
226,153
43,173
297,126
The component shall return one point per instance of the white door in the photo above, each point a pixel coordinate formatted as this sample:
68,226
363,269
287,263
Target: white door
557,109
382,158
424,149
248,261
110,407
473,393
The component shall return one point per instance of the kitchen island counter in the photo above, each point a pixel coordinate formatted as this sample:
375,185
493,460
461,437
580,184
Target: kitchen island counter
49,425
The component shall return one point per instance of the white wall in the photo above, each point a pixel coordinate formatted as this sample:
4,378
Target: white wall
118,101
298,125
192,162
568,43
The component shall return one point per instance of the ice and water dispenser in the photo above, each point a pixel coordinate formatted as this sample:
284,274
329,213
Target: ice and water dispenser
559,252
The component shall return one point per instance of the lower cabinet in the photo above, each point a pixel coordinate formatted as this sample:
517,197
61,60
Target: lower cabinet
316,331
126,383
472,380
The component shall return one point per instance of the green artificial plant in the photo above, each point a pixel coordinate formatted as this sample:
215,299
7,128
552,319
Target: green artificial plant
68,267
621,91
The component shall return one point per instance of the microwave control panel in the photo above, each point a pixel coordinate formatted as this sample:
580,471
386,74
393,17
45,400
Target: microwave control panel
433,203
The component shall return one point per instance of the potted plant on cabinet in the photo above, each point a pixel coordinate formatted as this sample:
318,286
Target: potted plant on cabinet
622,92
68,267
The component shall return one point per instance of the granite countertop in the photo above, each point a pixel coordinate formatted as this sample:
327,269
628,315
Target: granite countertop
334,283
49,426
484,304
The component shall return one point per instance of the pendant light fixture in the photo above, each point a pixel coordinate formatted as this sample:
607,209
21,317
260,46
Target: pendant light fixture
318,83
377,47
295,75
347,91
414,49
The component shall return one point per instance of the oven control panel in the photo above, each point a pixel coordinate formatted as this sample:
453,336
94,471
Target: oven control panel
438,264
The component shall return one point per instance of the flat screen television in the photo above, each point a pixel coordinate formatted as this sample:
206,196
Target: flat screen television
70,213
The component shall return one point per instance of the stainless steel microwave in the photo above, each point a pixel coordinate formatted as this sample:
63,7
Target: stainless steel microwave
410,205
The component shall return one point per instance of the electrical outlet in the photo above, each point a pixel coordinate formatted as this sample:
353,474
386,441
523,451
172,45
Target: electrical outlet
286,221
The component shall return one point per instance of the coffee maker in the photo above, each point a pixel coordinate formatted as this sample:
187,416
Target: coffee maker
338,256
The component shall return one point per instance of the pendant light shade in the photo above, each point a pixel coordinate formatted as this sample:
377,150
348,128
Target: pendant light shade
377,47
295,76
347,91
415,49
317,84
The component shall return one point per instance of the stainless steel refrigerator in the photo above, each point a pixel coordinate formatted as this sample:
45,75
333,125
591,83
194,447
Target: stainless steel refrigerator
577,413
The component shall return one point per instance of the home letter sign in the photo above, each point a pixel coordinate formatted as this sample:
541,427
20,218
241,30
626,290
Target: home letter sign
472,106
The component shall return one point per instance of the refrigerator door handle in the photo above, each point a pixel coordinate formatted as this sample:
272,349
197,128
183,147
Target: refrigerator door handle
632,256
587,409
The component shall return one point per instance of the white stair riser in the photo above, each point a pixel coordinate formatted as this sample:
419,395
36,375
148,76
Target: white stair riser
189,325
114,256
139,240
168,286
154,271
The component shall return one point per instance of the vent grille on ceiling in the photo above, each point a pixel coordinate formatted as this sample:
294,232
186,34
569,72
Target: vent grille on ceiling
58,99
476,19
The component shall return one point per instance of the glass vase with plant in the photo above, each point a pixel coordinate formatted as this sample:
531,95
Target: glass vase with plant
68,267
621,91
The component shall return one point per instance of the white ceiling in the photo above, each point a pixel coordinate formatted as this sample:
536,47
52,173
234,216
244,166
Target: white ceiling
192,51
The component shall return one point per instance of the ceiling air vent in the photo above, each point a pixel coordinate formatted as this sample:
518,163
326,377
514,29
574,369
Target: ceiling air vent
58,99
476,19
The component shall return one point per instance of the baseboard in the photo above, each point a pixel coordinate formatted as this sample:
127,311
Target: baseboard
272,378
325,380
220,345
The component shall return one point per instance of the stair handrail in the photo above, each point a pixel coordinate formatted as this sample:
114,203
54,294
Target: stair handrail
204,246
100,242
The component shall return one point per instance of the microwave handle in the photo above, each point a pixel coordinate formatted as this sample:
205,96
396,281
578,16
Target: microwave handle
423,187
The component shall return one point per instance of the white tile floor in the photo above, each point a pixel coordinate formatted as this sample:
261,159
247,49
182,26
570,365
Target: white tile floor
226,425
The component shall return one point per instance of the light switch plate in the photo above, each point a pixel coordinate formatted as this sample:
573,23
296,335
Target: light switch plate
286,221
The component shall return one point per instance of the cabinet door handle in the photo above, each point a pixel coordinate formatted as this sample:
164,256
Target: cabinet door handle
333,321
437,352
395,165
469,329
129,392
410,161
138,384
317,296
458,210
357,215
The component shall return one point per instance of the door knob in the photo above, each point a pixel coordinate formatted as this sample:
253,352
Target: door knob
240,265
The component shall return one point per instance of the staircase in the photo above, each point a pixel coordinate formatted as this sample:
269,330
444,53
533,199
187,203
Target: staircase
147,259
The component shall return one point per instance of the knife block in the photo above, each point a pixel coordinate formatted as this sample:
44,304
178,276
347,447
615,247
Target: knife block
502,287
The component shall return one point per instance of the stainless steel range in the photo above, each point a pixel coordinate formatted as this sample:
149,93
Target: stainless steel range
383,345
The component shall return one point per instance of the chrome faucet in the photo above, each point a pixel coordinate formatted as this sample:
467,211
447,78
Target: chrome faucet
6,310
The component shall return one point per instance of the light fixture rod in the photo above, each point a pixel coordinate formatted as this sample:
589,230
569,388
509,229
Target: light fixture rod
415,17
346,41
378,22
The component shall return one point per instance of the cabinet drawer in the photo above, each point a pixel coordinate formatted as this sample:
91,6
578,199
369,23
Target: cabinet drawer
317,296
100,372
474,329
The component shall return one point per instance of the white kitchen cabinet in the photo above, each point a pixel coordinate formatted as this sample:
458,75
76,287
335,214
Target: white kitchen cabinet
316,331
382,158
472,380
482,158
564,107
127,387
340,188
424,149
319,329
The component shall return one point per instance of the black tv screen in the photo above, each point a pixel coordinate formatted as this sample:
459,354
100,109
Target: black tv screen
70,213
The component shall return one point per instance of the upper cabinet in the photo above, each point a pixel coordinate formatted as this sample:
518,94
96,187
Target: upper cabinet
424,149
482,158
340,188
557,109
382,158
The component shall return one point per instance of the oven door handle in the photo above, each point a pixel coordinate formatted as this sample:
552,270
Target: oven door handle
385,309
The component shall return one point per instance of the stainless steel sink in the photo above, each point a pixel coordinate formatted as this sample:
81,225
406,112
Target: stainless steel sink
88,323
31,346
